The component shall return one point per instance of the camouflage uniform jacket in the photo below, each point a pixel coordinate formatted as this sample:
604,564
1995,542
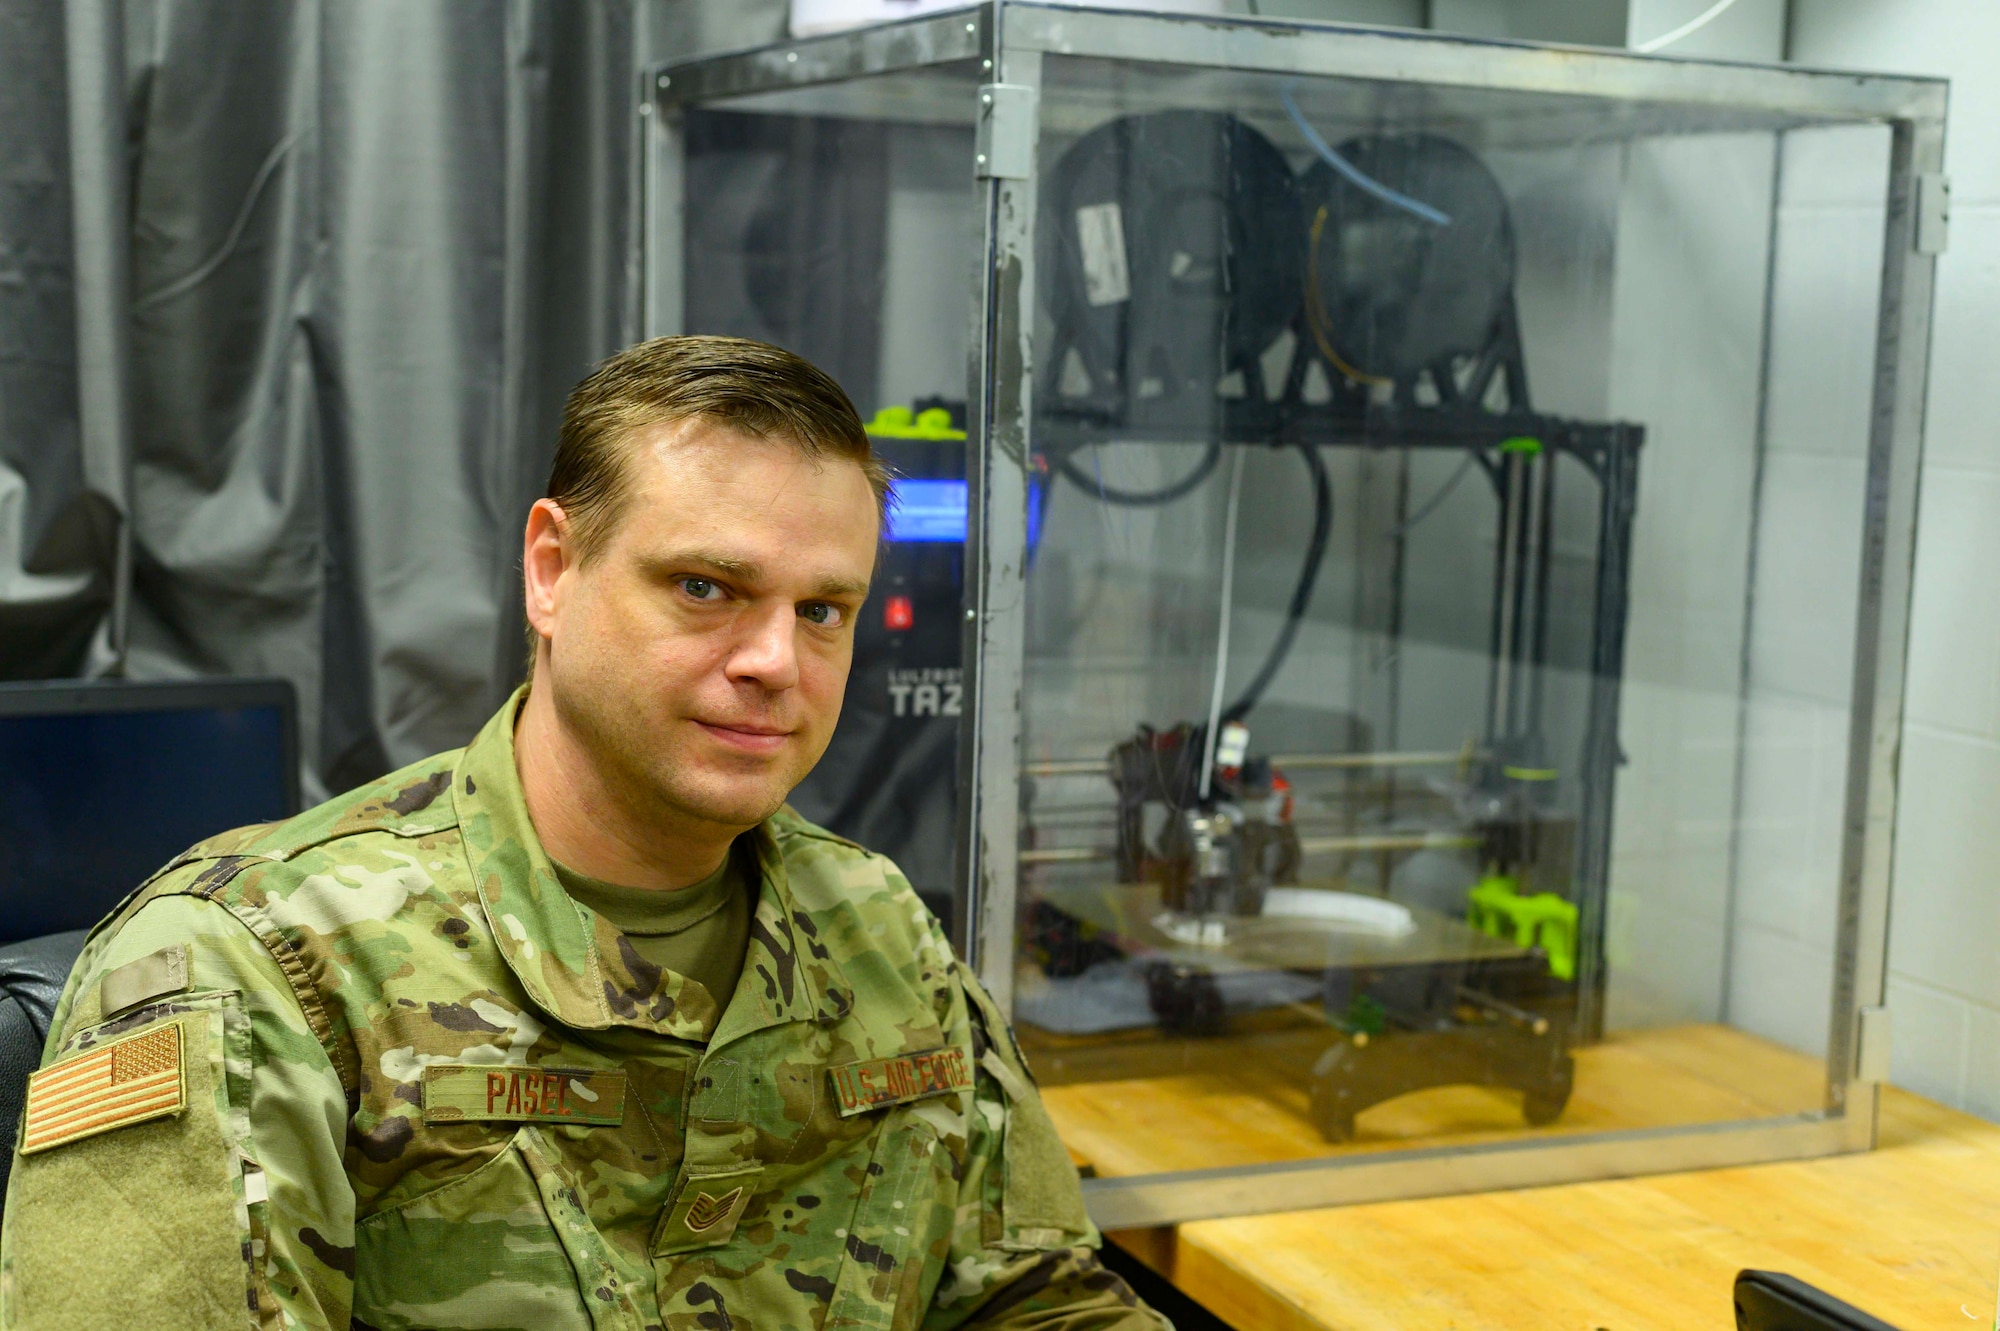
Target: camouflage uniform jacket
423,1087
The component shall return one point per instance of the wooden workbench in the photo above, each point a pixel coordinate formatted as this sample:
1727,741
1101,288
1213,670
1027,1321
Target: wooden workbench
1909,1232
1150,1104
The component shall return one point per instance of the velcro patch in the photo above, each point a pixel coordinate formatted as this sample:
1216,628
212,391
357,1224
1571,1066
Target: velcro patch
484,1093
860,1087
152,976
124,1082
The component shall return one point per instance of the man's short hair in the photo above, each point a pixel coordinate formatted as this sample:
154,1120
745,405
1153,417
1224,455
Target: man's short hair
751,386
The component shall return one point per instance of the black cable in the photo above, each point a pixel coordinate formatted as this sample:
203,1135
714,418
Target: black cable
1301,592
1438,496
1308,572
1095,486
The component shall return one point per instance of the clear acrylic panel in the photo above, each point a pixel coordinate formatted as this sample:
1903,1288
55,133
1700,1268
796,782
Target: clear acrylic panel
1454,559
1445,565
841,222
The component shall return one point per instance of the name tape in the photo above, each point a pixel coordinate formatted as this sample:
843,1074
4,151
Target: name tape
474,1093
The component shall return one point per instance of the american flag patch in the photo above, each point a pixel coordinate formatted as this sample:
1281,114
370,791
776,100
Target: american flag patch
127,1081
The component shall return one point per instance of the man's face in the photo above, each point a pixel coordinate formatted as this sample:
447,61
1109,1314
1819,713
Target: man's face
701,653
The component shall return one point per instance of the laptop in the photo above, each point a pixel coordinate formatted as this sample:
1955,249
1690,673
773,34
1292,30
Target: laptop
102,782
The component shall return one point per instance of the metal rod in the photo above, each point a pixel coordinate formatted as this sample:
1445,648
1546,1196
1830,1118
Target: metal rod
1296,761
1507,598
1311,845
1068,767
1543,567
1303,762
1323,845
1067,855
1520,1017
1210,735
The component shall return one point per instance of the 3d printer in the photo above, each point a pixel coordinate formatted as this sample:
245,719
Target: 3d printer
1178,247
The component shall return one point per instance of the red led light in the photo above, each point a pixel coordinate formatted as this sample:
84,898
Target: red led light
898,613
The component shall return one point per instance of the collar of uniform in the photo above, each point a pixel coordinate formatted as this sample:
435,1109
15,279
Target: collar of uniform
563,963
788,972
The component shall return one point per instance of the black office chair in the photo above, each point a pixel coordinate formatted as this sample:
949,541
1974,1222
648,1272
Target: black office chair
32,974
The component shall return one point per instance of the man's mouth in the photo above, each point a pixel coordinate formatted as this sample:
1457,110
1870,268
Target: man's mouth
747,736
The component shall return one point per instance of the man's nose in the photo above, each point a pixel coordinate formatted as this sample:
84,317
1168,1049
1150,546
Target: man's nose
767,651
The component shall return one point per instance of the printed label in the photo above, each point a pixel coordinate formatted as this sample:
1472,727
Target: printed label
471,1093
1100,232
860,1087
930,691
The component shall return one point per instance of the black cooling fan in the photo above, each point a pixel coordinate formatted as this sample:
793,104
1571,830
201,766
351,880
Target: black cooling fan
1394,293
1173,255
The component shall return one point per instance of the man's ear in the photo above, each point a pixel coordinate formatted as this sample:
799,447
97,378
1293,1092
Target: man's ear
547,552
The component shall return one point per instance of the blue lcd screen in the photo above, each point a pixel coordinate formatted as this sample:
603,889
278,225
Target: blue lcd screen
927,511
90,804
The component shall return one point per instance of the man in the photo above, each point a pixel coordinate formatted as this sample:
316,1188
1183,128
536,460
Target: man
577,1026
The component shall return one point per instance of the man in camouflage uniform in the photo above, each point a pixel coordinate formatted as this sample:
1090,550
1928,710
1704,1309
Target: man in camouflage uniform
384,1065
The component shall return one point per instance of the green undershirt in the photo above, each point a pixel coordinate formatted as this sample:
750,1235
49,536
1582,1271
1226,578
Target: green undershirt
700,932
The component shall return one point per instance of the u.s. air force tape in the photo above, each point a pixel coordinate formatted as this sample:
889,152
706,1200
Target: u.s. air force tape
873,1083
484,1093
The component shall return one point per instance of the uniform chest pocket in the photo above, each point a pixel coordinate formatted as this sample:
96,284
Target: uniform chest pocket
893,1248
507,1246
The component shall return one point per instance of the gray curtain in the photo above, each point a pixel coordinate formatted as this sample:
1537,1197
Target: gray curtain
290,295
58,533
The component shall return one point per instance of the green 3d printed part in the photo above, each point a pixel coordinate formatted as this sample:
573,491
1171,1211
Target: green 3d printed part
1544,920
902,423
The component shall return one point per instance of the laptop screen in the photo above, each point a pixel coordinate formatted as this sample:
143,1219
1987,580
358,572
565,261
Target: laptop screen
102,784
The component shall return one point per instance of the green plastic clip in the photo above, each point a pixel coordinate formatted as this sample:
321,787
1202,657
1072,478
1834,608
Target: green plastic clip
1366,1015
1521,443
902,423
1544,920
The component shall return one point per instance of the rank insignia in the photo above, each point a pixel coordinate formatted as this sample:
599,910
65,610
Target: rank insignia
707,1212
860,1087
124,1082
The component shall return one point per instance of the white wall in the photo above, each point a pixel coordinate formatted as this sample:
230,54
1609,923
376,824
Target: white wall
1944,986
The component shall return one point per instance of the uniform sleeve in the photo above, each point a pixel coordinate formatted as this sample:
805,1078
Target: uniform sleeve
1023,1252
235,1210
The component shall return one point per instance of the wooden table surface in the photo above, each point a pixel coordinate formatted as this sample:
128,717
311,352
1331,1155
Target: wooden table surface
1141,1103
1909,1232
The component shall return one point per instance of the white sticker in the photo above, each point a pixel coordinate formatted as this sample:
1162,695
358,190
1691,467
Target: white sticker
1100,230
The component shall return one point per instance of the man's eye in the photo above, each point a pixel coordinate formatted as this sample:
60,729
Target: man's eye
820,613
701,589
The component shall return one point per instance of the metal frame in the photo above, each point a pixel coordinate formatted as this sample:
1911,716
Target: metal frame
1010,40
